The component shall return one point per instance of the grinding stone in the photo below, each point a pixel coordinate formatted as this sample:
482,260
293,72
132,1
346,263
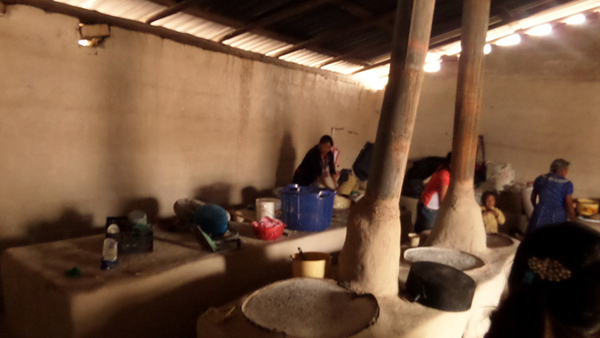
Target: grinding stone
309,307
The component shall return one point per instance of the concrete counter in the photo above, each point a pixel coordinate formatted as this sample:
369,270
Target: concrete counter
157,294
398,317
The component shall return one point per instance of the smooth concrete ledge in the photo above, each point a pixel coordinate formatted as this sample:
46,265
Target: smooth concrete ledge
400,318
160,294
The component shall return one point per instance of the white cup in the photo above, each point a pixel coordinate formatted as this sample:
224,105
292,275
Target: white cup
267,207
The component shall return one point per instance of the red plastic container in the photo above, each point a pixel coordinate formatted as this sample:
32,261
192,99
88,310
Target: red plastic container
269,234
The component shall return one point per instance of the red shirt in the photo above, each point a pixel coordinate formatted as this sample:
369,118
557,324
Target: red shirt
431,195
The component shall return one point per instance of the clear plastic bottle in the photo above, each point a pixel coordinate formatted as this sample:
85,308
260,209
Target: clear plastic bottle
110,248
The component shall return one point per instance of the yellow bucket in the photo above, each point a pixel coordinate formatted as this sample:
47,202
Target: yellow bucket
314,264
587,207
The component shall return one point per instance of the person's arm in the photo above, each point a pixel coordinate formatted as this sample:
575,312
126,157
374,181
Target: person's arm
443,191
499,216
570,208
534,194
332,171
445,182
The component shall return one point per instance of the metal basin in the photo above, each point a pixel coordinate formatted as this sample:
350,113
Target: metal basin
454,258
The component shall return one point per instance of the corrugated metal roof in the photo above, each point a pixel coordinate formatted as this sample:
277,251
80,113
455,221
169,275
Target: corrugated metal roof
370,45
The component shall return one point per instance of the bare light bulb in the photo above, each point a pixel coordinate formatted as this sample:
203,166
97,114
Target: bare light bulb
576,19
540,30
510,40
433,67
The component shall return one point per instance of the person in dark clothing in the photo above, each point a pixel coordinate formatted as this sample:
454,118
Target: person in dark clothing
317,165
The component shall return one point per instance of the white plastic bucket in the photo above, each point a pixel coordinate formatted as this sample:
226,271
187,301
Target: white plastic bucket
267,207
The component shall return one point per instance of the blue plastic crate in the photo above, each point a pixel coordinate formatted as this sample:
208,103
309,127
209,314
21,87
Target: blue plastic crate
306,209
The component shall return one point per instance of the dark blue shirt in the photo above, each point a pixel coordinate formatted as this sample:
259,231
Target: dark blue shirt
312,167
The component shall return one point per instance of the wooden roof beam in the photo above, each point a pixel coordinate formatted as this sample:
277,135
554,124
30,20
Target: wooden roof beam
334,34
275,17
436,40
359,12
169,11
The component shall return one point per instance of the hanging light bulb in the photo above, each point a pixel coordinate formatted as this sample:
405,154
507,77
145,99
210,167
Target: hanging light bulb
433,67
487,49
510,40
576,19
540,30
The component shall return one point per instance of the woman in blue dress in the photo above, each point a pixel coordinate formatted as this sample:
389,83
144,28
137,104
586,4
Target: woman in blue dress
555,194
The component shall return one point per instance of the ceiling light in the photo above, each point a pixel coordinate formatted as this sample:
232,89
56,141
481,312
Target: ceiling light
510,40
432,57
85,42
374,83
454,50
487,49
576,19
433,67
540,30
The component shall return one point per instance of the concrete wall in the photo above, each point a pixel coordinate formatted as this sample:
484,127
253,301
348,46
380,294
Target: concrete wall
541,102
141,121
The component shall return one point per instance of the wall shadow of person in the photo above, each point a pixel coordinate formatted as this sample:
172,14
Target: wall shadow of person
70,224
218,193
286,162
250,194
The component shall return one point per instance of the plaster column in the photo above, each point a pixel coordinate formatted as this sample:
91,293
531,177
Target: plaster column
459,224
370,259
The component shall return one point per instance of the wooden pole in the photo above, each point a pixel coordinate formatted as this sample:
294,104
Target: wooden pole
370,259
459,223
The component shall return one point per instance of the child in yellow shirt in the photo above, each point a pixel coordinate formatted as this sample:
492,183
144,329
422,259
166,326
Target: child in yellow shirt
492,216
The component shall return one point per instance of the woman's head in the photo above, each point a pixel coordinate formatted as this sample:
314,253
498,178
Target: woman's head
554,286
325,144
488,199
560,167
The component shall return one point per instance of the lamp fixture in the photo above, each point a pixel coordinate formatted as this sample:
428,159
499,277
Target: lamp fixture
93,35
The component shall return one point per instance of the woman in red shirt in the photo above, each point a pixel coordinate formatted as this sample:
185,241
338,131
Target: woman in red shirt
432,197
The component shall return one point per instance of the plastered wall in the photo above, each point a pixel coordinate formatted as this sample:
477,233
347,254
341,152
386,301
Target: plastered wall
87,133
541,102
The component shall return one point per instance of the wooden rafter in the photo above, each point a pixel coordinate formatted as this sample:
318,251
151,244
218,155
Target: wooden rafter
169,11
352,53
436,40
275,17
359,12
333,34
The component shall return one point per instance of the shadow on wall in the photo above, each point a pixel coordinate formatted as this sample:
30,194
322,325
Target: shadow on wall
287,161
70,224
250,194
218,193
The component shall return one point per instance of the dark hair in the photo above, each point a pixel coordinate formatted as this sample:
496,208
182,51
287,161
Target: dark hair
485,195
558,165
571,305
326,139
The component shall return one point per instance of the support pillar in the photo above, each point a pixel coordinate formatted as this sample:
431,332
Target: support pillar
459,224
370,259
